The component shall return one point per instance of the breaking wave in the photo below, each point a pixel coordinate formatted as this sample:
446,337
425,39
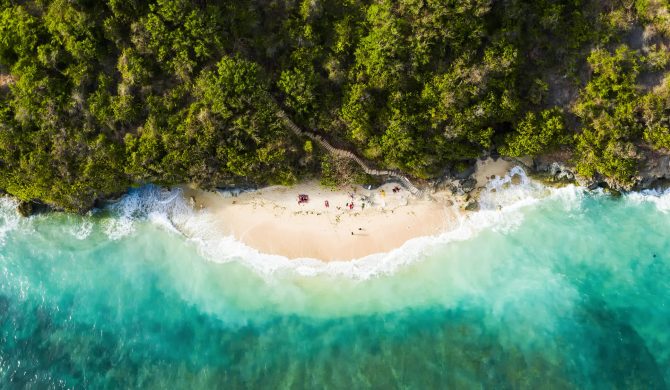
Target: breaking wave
9,219
660,198
503,203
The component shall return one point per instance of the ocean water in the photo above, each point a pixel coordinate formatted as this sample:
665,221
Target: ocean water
543,288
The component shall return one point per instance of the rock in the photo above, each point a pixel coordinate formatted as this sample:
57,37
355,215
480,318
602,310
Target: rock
526,162
28,208
516,180
541,165
612,192
561,172
471,205
556,172
654,169
468,184
25,209
449,185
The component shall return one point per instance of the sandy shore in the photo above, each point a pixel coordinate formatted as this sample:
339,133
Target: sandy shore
272,220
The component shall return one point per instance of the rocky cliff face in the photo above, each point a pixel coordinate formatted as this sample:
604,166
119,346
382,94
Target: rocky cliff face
654,171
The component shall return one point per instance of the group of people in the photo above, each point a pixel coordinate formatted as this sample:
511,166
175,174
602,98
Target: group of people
304,198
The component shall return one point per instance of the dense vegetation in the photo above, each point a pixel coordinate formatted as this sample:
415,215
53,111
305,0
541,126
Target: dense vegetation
97,96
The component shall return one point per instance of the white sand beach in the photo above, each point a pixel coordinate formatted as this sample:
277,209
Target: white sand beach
272,220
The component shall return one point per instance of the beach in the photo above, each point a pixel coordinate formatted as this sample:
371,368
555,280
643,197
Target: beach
514,295
272,220
325,225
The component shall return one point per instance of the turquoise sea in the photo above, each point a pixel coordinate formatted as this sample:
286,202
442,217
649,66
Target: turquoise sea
543,288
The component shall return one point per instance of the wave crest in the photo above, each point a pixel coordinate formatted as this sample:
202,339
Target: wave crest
9,218
163,206
501,209
660,198
502,204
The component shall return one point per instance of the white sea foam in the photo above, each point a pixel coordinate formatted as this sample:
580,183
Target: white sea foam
9,218
502,203
83,230
661,199
162,206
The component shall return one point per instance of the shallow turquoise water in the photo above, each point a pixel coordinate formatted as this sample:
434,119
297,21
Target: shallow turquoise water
566,292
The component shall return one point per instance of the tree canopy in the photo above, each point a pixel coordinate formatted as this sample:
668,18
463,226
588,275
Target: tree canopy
102,95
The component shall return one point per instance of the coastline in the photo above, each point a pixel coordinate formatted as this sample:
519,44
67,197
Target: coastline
270,221
273,221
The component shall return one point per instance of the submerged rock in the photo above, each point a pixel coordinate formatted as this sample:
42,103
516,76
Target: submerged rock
612,192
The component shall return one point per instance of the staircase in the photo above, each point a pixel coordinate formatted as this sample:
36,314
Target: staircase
347,154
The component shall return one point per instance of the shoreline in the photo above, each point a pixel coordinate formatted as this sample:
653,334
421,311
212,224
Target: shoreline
272,220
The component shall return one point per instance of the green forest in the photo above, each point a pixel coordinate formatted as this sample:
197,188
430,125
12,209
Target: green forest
97,96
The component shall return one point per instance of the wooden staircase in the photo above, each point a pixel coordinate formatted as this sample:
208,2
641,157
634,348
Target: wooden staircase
347,154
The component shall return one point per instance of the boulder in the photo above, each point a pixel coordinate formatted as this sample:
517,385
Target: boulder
612,192
471,205
468,184
28,208
561,172
25,209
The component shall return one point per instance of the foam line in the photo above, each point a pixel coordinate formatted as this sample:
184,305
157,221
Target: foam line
502,203
9,218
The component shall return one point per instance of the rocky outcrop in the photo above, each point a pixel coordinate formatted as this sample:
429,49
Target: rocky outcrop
25,209
468,185
555,166
471,205
655,171
560,172
28,208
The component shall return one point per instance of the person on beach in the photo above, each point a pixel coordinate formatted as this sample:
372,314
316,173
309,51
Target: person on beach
326,204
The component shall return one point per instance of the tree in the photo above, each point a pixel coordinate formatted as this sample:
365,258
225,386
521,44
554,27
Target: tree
655,107
607,106
537,133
